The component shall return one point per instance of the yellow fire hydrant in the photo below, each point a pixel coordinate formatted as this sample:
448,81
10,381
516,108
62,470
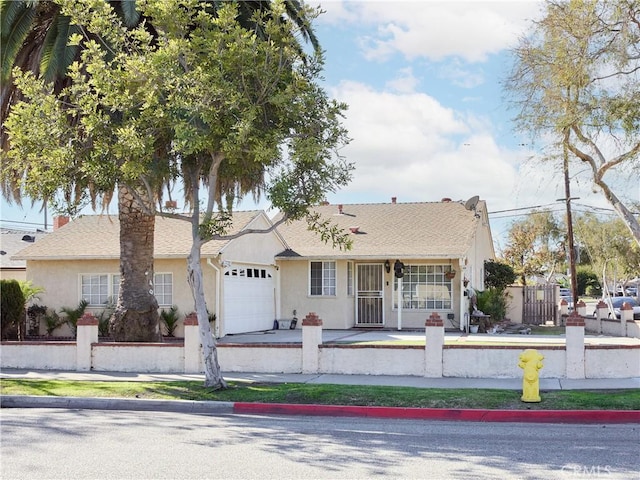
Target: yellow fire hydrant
530,362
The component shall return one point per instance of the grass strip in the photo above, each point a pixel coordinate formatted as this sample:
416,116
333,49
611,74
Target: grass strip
327,394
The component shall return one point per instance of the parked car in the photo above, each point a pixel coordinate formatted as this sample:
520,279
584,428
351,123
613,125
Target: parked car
631,291
565,292
616,303
569,300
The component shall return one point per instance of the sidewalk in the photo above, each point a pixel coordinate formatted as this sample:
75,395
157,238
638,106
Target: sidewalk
382,380
481,415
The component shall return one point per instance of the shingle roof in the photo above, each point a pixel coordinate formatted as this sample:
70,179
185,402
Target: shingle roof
13,241
399,230
98,237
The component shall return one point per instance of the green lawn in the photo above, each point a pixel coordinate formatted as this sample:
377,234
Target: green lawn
325,394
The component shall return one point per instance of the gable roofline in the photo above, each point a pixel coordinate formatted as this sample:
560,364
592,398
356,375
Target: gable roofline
96,237
430,230
260,214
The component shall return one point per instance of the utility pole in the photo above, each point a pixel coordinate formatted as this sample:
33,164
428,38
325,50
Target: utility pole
572,250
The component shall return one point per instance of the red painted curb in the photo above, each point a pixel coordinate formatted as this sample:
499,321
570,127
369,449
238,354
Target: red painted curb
469,415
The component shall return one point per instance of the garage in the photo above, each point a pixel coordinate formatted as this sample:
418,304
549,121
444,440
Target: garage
249,298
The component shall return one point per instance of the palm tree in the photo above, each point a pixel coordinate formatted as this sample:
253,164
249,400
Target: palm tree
35,38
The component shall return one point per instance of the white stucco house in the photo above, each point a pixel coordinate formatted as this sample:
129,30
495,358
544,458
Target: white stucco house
254,279
442,245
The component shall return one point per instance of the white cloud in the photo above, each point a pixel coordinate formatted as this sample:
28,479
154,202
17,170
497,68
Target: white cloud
410,146
461,76
405,82
434,30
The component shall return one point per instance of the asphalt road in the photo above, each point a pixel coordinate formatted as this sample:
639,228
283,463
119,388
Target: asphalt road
94,444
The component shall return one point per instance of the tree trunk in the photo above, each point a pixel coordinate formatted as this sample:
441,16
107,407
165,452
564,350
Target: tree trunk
136,317
213,376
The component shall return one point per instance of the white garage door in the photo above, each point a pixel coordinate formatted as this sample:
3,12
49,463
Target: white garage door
249,299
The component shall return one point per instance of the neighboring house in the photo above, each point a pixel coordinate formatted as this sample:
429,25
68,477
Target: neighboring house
11,242
253,279
441,244
81,261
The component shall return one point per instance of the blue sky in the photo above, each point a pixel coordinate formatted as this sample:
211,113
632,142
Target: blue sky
427,113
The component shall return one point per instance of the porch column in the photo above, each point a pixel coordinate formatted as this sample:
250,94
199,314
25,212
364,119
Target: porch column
575,346
86,335
626,315
311,339
192,355
434,331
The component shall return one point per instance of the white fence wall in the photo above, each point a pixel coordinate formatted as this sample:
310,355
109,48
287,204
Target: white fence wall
353,360
613,361
491,362
268,358
39,355
138,357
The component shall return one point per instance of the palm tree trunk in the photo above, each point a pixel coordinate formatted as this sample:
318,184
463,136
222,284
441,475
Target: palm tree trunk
136,317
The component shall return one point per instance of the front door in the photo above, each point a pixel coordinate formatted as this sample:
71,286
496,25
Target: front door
369,297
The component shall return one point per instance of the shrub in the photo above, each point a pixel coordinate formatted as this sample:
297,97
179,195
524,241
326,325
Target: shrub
493,301
12,311
52,321
104,317
170,319
588,283
35,315
30,291
498,275
74,314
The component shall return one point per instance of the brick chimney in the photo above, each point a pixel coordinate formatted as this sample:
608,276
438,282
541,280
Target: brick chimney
59,222
394,199
340,209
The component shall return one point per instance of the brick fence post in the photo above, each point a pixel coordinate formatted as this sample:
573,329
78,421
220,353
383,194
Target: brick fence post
575,346
626,315
86,335
434,332
564,311
601,312
311,339
192,355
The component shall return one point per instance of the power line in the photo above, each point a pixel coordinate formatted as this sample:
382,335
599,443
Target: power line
584,208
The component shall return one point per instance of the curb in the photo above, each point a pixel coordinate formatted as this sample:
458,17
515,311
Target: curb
135,404
469,415
213,407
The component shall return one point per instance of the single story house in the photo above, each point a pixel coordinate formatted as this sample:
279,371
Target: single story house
11,242
253,279
442,246
81,260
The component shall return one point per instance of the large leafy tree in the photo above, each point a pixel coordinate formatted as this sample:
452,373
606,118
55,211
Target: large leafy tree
535,246
609,248
35,38
576,80
227,104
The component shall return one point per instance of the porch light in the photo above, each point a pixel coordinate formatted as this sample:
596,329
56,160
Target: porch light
387,266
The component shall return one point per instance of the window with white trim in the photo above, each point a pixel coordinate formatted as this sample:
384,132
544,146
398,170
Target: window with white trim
322,279
163,288
350,279
115,286
95,289
425,287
